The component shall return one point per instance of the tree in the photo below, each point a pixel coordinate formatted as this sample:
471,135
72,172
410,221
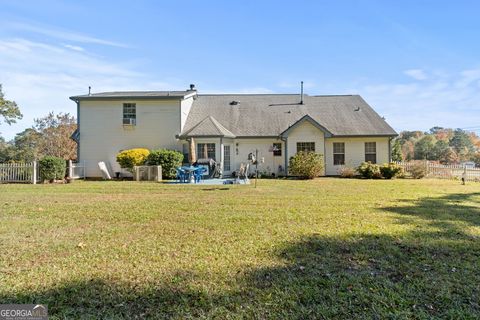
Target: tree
397,151
462,144
55,132
424,148
9,110
444,153
26,145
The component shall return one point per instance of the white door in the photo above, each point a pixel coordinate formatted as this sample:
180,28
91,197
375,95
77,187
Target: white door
227,163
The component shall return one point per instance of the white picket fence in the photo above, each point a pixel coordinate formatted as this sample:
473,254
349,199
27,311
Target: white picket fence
435,170
29,173
19,172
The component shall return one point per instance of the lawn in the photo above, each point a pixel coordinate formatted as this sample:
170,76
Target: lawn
328,248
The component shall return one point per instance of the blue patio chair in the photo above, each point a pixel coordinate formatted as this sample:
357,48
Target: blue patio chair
198,174
181,175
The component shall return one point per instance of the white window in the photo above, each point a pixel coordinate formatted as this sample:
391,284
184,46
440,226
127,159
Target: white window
306,146
206,151
371,152
338,153
129,114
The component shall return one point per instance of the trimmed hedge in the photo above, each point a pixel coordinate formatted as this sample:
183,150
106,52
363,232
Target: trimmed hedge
127,159
52,168
168,159
306,165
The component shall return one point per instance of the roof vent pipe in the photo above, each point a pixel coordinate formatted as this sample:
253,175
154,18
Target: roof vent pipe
192,87
301,92
89,90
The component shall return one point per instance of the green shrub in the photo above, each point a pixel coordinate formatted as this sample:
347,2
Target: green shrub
168,159
127,159
52,168
418,170
369,170
307,165
347,172
390,170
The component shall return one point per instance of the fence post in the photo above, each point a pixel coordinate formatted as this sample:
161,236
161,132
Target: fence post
34,176
70,169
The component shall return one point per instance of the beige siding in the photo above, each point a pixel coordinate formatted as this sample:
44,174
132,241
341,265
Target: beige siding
305,132
271,163
102,134
355,152
240,148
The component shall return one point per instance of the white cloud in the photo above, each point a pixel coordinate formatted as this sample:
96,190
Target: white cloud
417,74
60,34
40,77
445,100
76,48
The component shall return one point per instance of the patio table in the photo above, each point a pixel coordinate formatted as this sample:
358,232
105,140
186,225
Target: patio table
189,171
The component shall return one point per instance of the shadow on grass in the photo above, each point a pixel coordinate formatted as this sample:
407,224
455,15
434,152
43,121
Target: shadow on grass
418,274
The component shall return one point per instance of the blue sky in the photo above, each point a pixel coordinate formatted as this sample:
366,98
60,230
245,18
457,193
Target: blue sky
416,62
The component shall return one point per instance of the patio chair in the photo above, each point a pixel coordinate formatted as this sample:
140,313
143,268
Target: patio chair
181,175
243,172
198,174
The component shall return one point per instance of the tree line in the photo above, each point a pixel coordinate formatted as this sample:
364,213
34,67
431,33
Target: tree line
49,135
445,145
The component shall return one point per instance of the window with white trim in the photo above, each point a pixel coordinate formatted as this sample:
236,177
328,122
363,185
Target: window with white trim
206,151
371,152
338,153
306,146
129,114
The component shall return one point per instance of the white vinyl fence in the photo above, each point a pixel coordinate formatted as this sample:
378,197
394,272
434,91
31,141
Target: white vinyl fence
29,173
19,172
440,171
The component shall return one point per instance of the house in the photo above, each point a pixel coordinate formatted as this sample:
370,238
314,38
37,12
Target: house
228,127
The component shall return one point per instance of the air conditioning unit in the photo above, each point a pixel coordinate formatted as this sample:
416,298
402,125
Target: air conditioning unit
129,122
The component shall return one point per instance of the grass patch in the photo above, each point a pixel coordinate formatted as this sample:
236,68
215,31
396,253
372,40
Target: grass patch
328,248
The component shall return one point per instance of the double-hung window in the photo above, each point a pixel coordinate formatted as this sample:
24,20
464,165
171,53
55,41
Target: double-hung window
129,114
338,153
206,151
277,149
306,146
371,152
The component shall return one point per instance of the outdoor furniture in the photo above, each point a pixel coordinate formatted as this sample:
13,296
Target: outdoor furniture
243,172
198,173
189,171
180,175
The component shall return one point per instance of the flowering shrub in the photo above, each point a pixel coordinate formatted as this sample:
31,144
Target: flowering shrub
127,159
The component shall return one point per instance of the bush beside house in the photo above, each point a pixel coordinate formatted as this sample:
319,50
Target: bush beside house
306,165
127,159
168,159
52,168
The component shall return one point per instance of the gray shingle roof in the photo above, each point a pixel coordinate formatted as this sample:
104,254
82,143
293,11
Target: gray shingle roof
209,127
133,95
269,115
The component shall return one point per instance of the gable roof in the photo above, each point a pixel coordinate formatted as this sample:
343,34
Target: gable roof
269,115
208,127
307,118
134,95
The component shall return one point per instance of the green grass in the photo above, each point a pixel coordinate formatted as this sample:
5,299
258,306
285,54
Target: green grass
328,248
